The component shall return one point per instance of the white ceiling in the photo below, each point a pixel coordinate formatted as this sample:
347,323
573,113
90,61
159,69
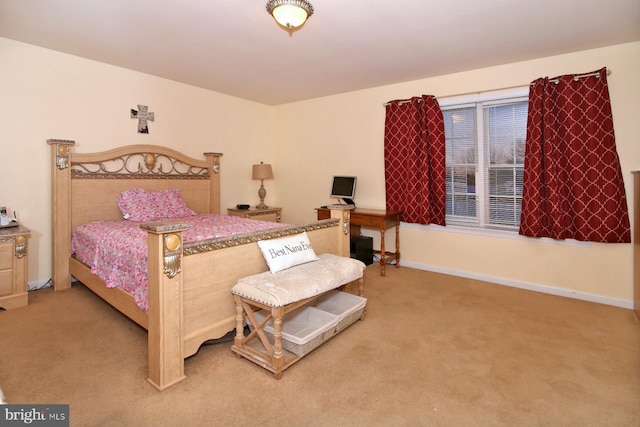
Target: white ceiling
235,47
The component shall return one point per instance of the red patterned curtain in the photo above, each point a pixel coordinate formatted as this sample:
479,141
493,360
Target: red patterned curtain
573,187
414,154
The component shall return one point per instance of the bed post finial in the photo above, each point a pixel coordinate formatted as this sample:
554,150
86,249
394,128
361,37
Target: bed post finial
61,151
172,255
214,161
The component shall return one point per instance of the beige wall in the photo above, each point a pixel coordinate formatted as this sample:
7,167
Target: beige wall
47,94
343,134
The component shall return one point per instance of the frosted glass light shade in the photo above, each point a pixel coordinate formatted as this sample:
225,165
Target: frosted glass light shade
290,14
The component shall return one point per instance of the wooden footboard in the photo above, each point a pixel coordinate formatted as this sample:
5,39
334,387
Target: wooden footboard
212,269
189,285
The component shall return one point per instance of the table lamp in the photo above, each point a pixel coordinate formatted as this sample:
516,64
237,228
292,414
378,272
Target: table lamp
262,172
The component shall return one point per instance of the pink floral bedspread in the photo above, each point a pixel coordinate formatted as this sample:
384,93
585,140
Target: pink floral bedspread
116,251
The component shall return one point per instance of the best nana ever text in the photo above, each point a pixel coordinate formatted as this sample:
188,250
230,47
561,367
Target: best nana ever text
289,249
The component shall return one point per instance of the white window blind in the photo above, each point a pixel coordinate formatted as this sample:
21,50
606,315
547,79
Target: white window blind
505,131
461,164
485,143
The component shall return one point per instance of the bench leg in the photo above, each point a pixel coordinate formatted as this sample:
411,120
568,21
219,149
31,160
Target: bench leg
239,337
273,358
277,359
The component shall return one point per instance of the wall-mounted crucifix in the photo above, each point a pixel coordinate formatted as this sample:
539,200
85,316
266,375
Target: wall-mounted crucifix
143,115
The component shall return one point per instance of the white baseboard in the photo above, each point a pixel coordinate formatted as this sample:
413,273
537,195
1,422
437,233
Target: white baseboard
536,287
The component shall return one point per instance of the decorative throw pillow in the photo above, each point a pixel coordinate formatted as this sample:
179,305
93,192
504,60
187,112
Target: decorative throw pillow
143,206
135,205
287,252
169,204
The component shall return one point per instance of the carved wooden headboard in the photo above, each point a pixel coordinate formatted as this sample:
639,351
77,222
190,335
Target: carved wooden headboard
94,180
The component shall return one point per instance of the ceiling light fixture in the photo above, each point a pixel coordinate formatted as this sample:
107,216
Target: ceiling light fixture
290,14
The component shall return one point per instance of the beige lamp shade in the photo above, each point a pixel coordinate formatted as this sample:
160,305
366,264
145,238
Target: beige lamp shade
262,171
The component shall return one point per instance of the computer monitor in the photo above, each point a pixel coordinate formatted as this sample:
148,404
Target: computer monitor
344,188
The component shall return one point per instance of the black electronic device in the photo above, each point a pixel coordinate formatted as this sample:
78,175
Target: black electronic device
362,249
344,188
243,207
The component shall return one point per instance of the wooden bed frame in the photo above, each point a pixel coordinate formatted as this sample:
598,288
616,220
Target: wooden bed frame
189,289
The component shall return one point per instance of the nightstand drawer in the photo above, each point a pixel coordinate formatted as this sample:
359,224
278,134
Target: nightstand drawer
6,255
268,214
6,282
265,217
13,267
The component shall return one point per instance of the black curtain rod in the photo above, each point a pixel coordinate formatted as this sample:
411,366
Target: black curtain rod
575,78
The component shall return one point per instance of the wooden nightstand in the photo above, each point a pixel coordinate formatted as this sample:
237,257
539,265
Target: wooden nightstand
268,214
13,267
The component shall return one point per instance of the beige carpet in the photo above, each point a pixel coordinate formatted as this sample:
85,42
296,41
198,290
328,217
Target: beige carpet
433,351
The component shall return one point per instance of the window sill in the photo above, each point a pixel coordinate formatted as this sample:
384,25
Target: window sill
503,234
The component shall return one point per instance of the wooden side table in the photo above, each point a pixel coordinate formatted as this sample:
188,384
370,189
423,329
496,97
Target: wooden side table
374,218
13,267
268,214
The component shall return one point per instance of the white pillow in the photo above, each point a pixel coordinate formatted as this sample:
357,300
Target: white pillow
287,252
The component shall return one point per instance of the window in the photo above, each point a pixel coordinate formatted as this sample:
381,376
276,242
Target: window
485,141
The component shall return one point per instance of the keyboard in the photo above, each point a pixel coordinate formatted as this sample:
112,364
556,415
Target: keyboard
340,206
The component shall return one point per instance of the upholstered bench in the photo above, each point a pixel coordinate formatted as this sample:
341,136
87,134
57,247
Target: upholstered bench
280,293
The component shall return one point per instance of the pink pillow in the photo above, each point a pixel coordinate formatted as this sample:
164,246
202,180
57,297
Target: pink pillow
143,206
134,205
169,204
